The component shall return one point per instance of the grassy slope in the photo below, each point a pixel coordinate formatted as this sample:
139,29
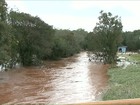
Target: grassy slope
124,83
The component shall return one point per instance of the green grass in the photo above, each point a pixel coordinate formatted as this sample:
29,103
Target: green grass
124,83
135,57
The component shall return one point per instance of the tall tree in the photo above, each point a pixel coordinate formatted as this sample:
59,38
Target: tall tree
107,35
33,37
4,34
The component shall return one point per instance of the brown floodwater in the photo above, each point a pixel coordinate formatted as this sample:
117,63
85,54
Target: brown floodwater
70,80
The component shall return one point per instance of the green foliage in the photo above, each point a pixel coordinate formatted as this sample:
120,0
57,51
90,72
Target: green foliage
89,42
5,36
33,37
28,40
3,10
65,44
106,36
132,40
80,35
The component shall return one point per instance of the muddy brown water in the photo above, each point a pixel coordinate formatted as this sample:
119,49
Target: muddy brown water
70,80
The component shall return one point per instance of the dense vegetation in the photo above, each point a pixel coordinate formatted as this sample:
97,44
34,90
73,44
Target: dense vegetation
29,40
5,34
66,43
106,37
132,40
32,35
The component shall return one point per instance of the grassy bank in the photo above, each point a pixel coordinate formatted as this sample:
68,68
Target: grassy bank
135,57
124,83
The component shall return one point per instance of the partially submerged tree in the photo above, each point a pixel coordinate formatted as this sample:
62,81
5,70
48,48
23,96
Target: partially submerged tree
107,36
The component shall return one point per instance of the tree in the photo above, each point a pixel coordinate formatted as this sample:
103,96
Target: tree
33,37
107,36
80,35
65,44
5,37
89,42
3,10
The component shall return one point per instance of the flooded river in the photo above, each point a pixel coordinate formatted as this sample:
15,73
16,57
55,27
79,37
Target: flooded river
70,80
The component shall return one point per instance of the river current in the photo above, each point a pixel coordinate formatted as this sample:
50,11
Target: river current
66,81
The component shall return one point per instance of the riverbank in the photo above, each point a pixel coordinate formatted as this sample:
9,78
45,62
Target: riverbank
124,83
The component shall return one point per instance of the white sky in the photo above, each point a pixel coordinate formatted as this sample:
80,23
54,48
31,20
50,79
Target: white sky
74,14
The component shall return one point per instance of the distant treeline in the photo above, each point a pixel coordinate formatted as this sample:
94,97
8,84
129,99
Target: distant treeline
29,40
131,40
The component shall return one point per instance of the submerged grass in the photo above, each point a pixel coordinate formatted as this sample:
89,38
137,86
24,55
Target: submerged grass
124,83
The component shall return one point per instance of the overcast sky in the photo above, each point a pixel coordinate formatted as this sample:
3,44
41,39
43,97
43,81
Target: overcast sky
74,14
